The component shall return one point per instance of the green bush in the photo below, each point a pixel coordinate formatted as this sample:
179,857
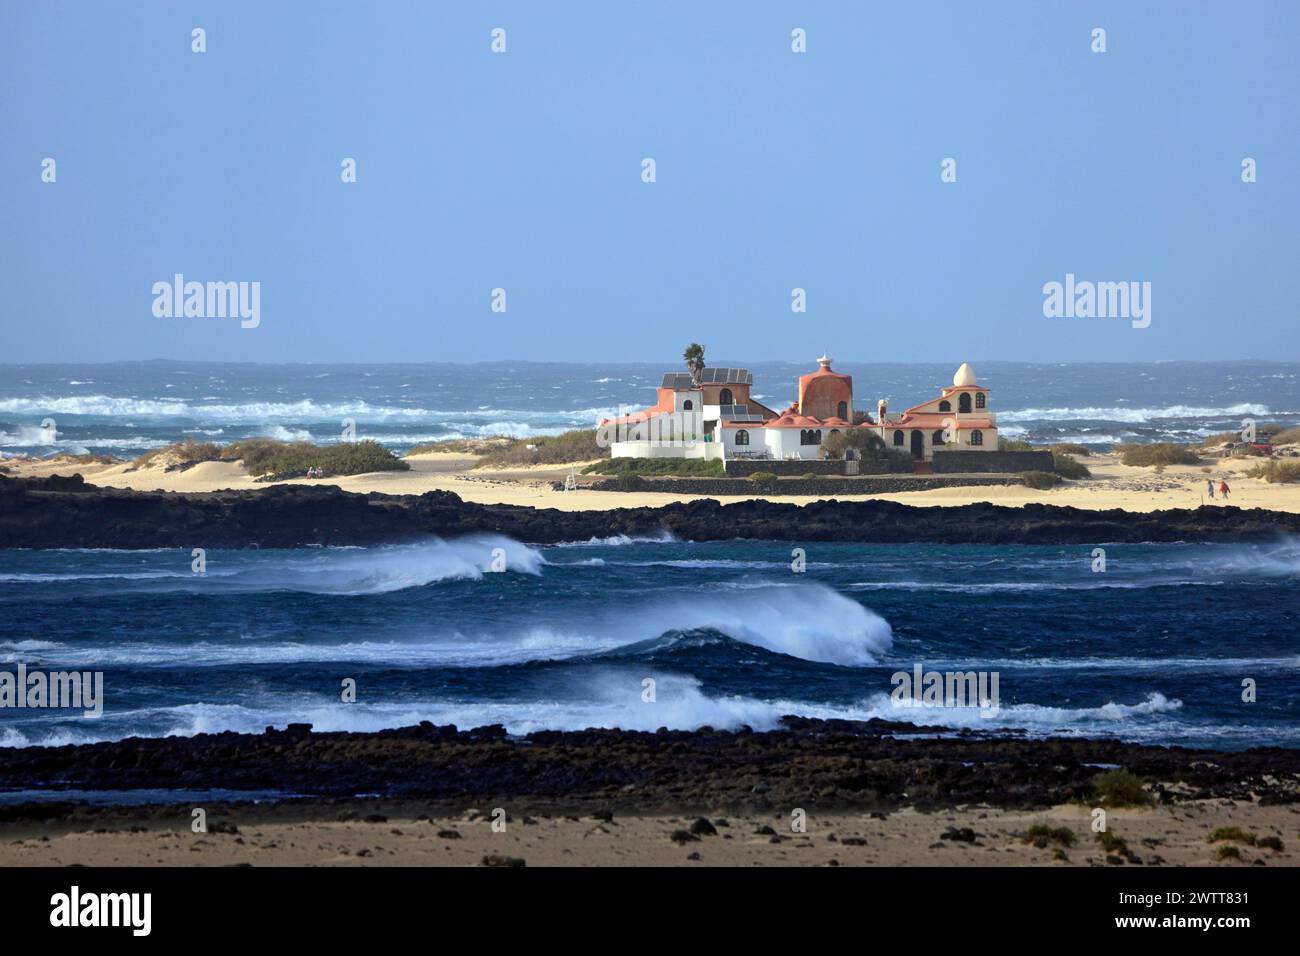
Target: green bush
690,467
1120,788
1158,453
262,456
765,478
1068,467
572,446
1229,852
184,453
1111,843
1011,444
1071,448
1041,480
1234,834
1040,835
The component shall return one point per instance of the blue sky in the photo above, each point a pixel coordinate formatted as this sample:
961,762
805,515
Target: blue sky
774,171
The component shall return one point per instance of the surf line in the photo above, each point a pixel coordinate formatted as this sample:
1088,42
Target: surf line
923,688
62,690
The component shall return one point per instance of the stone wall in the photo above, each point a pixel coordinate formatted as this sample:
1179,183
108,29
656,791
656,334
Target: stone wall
981,462
743,468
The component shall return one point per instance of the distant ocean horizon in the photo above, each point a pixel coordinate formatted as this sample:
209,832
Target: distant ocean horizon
128,408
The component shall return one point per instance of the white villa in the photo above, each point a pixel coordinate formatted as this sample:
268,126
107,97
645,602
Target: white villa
716,417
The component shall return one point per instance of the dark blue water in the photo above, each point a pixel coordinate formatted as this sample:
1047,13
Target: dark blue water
1154,649
127,408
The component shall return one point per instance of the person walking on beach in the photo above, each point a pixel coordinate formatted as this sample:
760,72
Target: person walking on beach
1209,487
1223,489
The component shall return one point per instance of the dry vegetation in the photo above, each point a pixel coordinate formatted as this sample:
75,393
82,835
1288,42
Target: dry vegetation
1274,471
1158,453
571,447
266,456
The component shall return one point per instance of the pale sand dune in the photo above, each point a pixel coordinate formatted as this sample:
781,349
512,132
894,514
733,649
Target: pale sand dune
1113,485
1168,836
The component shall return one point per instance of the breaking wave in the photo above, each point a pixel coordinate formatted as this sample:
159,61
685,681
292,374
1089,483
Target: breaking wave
806,621
1136,416
610,699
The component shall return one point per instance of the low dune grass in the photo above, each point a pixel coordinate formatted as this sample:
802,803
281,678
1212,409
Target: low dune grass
1067,466
1120,788
181,453
1071,448
1274,471
1040,835
267,456
567,448
1158,453
1040,480
461,446
292,459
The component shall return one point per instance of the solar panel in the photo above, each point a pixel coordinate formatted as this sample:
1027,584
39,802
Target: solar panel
738,413
726,376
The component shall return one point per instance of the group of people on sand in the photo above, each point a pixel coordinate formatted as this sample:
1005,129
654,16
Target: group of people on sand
1223,488
320,473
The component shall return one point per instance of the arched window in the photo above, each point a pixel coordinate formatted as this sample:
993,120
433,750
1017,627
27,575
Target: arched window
945,406
937,438
963,403
835,431
724,397
810,436
899,438
742,437
979,400
842,410
687,405
977,437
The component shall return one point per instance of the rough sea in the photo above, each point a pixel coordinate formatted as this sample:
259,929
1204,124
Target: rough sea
1155,648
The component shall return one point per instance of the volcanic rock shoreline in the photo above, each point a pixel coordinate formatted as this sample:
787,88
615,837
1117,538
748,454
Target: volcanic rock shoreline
66,512
826,765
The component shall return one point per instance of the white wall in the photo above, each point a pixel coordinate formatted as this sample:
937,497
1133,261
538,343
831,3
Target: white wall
649,449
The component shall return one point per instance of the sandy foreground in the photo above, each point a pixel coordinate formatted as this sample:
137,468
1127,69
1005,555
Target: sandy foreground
1113,485
1164,836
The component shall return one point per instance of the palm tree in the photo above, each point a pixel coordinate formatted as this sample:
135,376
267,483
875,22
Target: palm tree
694,356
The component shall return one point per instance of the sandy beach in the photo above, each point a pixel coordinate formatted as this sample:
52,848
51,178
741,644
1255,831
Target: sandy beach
403,835
1112,485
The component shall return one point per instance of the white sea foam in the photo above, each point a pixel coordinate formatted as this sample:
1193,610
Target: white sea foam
260,412
618,540
1134,416
611,698
280,433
